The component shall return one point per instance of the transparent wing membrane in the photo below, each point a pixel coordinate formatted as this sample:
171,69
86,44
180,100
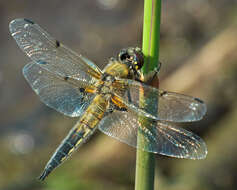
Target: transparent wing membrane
49,53
159,137
171,107
57,93
68,82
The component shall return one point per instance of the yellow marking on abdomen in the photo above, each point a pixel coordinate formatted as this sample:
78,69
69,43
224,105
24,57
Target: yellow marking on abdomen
83,129
90,119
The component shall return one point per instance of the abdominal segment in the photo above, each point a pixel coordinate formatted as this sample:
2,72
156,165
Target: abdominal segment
83,129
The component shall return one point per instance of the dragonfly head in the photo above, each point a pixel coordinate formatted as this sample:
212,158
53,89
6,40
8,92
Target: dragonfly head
134,59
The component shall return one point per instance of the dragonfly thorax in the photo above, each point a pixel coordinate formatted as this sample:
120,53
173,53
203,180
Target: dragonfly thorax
104,86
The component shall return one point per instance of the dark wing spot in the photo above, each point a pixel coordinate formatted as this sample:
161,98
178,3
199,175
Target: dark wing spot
29,21
198,100
82,90
66,78
42,62
163,93
57,44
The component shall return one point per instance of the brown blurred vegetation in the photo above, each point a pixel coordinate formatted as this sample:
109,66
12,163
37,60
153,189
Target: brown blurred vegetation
198,55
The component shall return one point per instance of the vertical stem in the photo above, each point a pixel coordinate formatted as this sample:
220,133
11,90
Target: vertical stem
151,34
145,163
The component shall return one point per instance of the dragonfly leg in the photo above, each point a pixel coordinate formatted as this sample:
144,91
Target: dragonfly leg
148,78
129,96
112,106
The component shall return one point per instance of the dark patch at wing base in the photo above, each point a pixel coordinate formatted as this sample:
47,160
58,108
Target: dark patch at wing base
66,78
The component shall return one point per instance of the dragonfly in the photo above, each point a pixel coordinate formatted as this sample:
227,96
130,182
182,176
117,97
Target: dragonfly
106,99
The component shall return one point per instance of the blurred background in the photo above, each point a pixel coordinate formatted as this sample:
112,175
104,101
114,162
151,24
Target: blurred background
198,50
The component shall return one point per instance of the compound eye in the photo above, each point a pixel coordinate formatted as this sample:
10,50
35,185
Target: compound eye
123,55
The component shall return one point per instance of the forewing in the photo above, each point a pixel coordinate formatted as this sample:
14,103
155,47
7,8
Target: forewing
57,93
171,106
158,137
49,53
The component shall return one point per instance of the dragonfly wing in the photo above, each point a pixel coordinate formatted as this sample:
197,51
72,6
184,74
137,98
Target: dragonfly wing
172,106
49,53
57,93
159,137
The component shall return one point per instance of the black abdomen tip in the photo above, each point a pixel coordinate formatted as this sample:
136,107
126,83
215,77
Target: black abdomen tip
198,100
29,21
43,175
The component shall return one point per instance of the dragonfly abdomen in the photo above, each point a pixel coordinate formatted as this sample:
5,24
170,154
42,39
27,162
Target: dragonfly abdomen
72,141
83,129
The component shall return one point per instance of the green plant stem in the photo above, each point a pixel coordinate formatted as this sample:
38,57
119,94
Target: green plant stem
151,34
145,161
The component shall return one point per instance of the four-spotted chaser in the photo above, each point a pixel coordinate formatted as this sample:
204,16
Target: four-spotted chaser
107,99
